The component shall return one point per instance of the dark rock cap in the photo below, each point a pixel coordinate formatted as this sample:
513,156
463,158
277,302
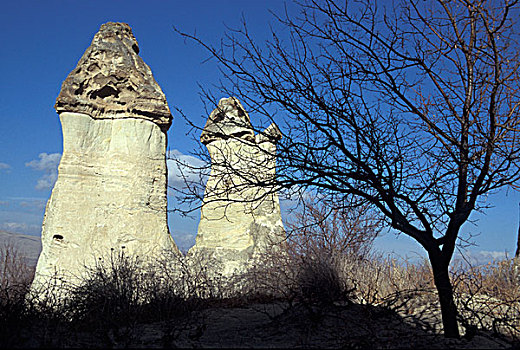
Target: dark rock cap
271,134
112,81
228,120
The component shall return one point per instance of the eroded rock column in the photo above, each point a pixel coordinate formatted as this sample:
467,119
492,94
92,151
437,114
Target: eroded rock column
111,189
240,218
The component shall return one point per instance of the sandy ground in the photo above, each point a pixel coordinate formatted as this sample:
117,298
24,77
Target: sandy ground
276,325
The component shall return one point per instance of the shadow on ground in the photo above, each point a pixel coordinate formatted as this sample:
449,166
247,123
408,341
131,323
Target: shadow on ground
260,325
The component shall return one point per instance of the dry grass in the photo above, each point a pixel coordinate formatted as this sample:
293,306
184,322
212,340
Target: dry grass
115,298
326,265
15,276
120,296
488,296
313,273
15,273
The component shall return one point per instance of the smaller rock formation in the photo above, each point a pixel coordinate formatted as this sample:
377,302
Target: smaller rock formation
240,217
111,189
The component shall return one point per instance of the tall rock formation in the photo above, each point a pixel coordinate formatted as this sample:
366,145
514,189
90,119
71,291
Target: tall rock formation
111,189
240,219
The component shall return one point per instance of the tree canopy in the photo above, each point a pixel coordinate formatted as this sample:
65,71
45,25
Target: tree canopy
411,107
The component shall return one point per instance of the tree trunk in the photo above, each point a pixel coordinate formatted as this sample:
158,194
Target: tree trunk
445,290
517,253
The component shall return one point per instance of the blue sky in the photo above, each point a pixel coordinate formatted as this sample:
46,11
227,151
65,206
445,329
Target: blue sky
41,42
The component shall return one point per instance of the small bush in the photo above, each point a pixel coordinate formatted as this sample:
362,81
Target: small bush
15,273
123,291
15,278
319,281
488,296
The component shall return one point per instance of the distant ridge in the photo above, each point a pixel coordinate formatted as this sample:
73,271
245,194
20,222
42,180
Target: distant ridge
28,246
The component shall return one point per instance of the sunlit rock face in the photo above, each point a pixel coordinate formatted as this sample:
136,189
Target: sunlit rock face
239,218
110,195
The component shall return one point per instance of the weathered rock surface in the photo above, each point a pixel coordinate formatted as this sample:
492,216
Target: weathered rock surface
240,218
112,81
111,189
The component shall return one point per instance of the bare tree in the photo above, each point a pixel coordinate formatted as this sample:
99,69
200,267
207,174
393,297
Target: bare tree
411,107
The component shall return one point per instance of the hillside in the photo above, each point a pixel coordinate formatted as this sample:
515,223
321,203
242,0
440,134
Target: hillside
28,246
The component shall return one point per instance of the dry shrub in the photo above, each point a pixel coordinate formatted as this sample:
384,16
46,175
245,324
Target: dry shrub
385,280
125,290
198,276
15,278
113,292
295,279
111,302
319,281
333,248
321,240
15,273
328,258
488,296
322,229
310,267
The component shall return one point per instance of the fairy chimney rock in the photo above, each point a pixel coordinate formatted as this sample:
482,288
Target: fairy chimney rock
111,189
239,218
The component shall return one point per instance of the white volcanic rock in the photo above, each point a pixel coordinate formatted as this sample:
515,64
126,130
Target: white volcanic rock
240,218
111,189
